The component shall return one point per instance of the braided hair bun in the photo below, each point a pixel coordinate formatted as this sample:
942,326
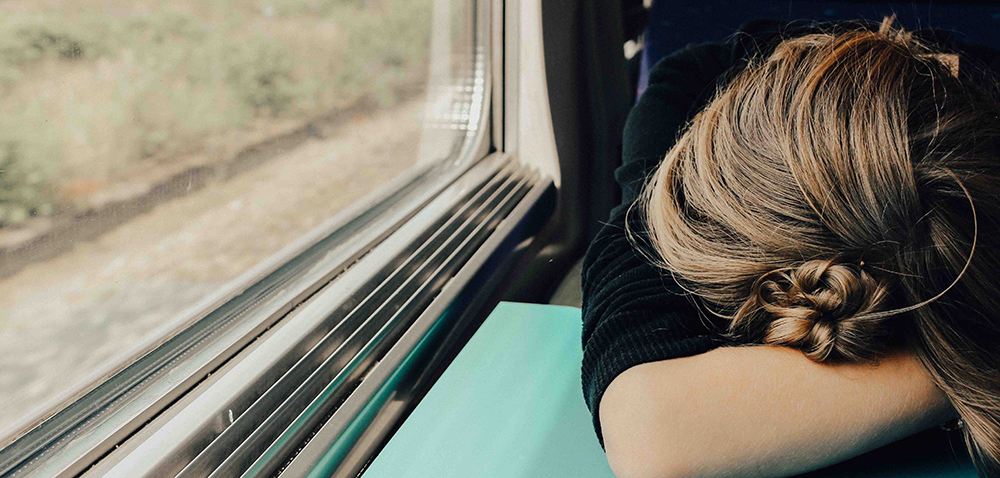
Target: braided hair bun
822,307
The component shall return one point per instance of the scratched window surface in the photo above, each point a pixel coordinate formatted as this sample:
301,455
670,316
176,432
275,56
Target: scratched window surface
151,151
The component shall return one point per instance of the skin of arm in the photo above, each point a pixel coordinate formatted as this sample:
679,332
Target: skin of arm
760,411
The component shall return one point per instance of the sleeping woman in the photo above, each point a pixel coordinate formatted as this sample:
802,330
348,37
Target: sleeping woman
806,262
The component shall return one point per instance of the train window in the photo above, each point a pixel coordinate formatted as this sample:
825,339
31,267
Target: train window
177,179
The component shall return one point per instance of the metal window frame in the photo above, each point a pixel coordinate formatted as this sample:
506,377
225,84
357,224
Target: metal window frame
179,442
303,277
92,420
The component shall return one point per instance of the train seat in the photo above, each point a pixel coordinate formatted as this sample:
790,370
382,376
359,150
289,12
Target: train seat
672,25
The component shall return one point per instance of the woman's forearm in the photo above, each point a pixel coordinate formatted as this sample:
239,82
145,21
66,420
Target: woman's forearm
760,411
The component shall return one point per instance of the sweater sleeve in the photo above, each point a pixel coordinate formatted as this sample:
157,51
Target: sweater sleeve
634,313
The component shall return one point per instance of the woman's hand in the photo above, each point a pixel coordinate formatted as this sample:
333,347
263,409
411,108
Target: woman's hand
760,411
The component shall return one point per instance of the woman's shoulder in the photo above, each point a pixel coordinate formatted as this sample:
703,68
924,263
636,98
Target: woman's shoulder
680,84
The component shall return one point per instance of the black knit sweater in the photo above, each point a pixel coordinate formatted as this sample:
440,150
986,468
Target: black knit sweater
634,313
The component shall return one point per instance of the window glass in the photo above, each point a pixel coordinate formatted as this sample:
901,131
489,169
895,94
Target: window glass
152,151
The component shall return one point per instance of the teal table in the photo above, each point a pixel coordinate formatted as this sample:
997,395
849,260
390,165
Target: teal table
511,406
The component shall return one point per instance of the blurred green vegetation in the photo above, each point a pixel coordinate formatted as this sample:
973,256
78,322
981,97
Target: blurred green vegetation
89,88
22,188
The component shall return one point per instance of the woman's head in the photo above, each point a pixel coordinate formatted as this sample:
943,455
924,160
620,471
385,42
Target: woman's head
842,196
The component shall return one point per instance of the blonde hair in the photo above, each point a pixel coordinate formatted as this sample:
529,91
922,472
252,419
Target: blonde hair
842,196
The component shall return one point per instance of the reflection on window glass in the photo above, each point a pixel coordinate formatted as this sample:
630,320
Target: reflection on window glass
151,151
